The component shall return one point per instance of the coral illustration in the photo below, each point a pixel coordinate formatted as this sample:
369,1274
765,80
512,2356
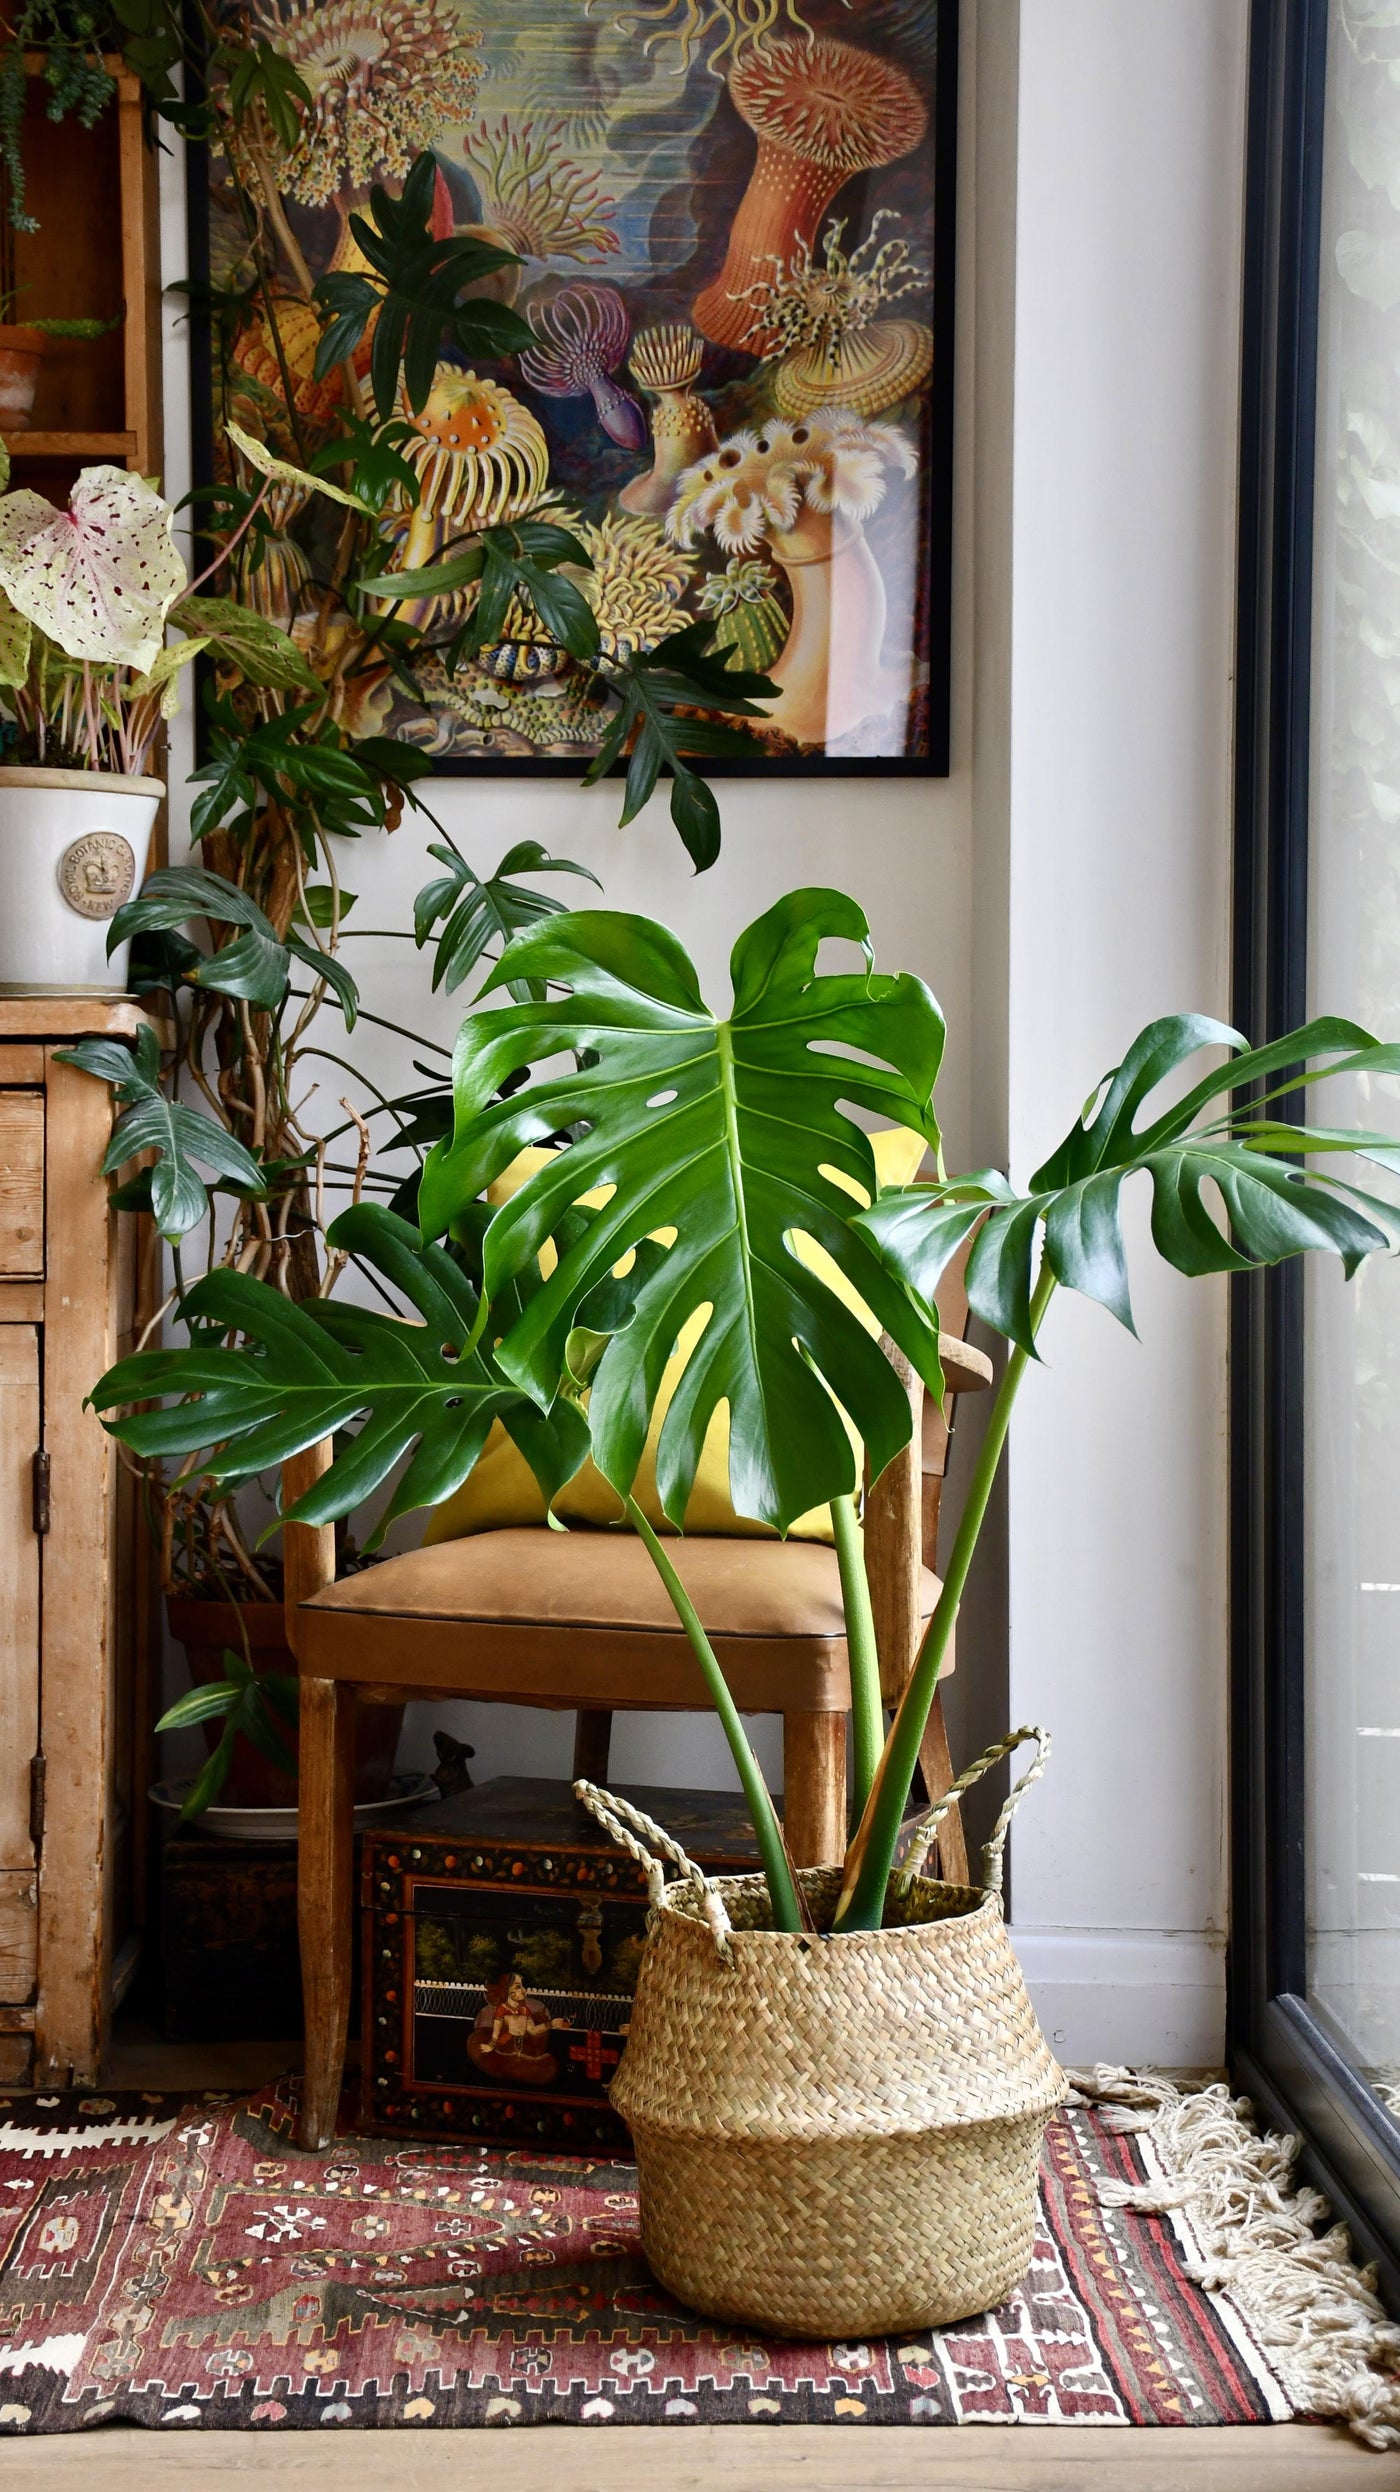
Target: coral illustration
481,459
805,490
690,23
743,604
822,111
534,200
299,330
821,317
385,77
665,360
583,332
636,582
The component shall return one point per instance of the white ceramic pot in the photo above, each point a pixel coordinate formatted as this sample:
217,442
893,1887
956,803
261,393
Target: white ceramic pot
73,847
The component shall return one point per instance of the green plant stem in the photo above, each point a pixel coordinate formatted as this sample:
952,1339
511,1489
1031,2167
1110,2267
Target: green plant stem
871,1856
787,1912
867,1710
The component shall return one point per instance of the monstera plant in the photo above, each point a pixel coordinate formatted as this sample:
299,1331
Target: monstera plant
696,1157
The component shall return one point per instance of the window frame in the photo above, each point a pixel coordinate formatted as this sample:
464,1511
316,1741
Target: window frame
1278,2050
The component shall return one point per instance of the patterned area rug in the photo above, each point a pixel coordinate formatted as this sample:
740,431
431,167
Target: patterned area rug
180,2262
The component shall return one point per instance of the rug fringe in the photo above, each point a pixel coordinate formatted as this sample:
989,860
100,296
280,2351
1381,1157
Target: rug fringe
1336,2351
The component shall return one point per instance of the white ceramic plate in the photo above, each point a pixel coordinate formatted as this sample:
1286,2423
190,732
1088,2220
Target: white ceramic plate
279,1825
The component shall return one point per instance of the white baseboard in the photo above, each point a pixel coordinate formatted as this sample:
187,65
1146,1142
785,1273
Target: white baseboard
1127,1996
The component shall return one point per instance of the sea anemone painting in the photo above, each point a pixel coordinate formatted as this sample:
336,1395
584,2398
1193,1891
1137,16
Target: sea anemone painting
583,332
534,199
821,315
481,459
805,491
690,24
636,583
742,604
386,77
822,111
666,360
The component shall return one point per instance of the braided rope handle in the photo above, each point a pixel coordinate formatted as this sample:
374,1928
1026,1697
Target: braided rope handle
993,1856
624,1824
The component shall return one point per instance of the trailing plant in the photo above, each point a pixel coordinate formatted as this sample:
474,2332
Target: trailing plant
719,1141
72,39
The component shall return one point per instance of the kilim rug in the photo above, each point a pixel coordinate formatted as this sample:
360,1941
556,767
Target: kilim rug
179,2262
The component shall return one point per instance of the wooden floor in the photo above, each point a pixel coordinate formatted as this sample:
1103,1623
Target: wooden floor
726,2457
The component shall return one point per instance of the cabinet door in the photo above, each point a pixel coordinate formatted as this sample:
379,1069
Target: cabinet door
19,1656
21,1184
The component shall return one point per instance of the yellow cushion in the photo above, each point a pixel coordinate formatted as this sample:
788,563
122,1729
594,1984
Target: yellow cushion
502,1492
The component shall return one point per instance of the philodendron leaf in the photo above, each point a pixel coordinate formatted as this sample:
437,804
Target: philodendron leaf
420,1388
183,1139
264,654
717,1138
1213,1147
479,912
282,472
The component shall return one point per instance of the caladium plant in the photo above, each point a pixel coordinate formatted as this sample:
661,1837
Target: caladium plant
706,1147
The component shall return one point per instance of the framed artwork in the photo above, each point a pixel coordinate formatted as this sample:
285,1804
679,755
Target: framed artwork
733,222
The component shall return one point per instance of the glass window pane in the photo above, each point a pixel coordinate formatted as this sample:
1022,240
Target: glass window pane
1353,1330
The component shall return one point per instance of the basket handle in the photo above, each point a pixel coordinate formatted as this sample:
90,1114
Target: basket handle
993,1856
625,1825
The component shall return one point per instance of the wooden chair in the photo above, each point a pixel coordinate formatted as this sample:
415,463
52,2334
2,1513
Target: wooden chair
578,1621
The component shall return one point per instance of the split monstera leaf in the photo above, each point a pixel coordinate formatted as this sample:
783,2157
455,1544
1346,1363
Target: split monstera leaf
697,1152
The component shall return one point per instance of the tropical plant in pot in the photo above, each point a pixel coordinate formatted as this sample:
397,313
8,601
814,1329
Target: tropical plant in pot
834,2079
85,686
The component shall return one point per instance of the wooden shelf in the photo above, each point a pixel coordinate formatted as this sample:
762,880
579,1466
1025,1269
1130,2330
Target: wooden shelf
70,445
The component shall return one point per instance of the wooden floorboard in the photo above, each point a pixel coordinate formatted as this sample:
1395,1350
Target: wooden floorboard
1288,2457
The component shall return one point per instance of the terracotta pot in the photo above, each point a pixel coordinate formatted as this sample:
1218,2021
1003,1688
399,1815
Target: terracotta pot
21,353
73,848
208,1629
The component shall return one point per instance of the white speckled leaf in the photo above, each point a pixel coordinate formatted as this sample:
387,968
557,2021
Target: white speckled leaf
101,576
14,643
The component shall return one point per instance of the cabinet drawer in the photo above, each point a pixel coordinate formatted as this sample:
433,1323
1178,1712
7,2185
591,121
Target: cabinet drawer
21,1184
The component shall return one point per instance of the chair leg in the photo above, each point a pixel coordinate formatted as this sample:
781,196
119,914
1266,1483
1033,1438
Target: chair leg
325,1897
937,1765
814,1788
592,1743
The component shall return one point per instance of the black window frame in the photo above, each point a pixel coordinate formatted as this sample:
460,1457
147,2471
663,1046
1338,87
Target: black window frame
1278,2050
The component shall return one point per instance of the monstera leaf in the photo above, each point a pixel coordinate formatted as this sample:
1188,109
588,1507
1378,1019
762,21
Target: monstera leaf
718,1139
321,1367
1195,1152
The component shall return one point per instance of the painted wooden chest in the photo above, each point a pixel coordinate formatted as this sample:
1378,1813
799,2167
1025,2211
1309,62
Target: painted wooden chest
501,1936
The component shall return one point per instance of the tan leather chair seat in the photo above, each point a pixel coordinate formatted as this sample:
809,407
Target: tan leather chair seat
487,1615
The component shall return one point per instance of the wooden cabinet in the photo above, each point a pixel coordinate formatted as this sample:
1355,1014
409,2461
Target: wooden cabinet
75,1575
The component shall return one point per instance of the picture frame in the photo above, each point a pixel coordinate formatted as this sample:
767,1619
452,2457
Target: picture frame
735,229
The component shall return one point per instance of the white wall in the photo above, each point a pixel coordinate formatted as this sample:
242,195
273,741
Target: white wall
1126,388
1067,881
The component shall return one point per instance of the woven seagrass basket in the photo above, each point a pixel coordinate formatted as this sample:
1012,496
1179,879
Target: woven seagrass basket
835,2136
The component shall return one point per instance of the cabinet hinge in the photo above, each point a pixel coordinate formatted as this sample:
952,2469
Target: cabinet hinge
37,1777
41,1492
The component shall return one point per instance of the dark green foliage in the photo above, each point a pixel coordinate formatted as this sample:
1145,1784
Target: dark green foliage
656,687
1274,1208
414,288
171,1190
479,912
315,1369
